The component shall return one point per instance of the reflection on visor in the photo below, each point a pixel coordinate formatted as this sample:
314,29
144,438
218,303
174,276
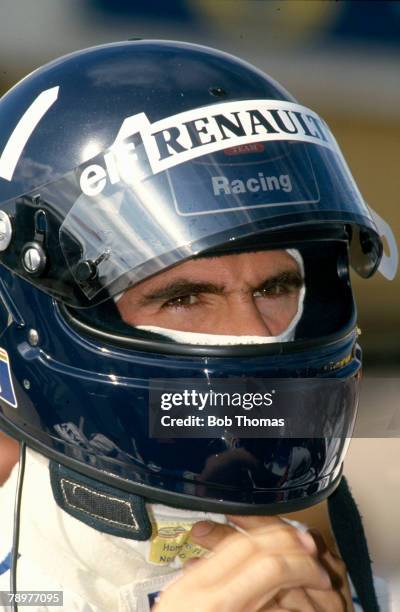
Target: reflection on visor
140,228
127,227
127,214
276,174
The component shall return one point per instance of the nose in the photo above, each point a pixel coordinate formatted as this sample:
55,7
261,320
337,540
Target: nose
242,318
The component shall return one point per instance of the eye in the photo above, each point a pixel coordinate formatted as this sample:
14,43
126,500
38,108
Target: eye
183,301
276,290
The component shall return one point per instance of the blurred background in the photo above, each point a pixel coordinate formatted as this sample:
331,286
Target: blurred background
343,60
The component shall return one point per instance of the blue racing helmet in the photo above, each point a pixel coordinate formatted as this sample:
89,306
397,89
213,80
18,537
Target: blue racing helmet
119,162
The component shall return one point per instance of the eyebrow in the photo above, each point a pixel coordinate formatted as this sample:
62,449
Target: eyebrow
179,288
291,278
182,286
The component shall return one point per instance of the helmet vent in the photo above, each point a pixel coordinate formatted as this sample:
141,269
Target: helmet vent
218,92
105,508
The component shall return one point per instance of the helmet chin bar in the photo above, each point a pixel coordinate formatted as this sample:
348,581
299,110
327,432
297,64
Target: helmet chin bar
185,501
103,326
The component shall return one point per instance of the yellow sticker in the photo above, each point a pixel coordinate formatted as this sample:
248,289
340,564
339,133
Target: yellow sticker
172,541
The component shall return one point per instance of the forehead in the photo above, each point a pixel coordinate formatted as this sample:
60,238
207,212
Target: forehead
251,268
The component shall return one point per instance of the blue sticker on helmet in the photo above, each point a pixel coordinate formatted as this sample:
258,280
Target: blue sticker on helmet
7,393
278,174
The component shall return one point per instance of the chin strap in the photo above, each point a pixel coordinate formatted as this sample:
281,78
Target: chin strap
102,507
350,537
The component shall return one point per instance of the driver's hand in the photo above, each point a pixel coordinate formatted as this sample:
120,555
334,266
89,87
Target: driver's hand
269,565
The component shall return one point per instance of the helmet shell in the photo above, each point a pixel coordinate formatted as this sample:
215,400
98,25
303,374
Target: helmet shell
81,394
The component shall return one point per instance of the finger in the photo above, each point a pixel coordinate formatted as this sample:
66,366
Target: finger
229,554
209,534
340,596
260,579
237,550
290,600
297,599
333,601
253,522
263,576
190,563
335,566
273,538
260,524
271,606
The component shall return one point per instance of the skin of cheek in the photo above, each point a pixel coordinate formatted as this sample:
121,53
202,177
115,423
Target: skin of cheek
278,312
195,318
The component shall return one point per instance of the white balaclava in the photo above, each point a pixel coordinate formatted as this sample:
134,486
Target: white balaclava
97,571
216,339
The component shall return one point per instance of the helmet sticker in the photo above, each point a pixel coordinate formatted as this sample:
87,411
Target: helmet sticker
191,134
264,180
172,540
7,393
22,131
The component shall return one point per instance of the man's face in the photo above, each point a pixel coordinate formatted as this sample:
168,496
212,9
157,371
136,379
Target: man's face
253,294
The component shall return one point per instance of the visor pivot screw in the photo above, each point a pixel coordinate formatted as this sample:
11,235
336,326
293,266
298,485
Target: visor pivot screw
26,383
33,337
5,230
33,259
85,271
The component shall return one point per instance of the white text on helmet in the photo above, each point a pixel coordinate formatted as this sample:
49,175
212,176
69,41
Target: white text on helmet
185,136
